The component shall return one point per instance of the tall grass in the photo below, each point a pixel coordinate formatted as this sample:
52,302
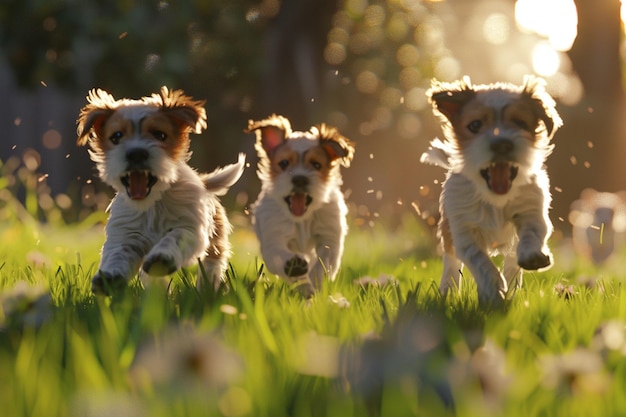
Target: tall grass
258,349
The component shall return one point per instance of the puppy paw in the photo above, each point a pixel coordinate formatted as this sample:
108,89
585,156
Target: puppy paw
159,265
107,284
296,267
534,261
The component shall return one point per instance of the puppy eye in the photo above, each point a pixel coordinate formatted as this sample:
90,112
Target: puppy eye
115,137
159,135
316,165
521,124
283,164
475,126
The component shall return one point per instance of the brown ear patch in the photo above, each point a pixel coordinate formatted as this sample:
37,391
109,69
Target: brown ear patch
450,102
91,119
270,132
337,146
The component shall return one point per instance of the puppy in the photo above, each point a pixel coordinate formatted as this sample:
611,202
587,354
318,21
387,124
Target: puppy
496,196
598,224
300,214
165,215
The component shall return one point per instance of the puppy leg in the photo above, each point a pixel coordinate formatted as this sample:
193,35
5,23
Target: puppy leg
296,270
512,271
121,257
179,247
329,251
492,287
451,277
532,252
216,262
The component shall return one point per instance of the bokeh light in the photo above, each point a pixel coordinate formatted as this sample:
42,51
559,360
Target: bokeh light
556,20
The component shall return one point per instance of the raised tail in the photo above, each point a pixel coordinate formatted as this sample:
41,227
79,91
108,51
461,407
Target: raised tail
438,154
220,180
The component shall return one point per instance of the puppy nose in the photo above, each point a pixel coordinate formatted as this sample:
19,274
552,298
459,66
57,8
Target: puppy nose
502,146
137,156
300,181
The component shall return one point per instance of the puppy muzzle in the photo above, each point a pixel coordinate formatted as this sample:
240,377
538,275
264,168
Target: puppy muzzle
299,199
138,179
502,170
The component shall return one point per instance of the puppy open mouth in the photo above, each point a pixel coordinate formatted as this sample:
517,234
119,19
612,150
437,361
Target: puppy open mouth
499,176
138,184
298,202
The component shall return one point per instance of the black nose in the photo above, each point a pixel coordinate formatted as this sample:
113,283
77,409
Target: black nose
300,181
502,146
136,157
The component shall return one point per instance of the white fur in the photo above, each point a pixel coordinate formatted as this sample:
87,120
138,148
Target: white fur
481,223
176,225
180,221
318,235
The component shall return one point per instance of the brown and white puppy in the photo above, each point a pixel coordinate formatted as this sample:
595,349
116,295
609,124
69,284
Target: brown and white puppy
300,214
496,195
165,215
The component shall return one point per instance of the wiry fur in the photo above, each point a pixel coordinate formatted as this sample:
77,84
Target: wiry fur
496,195
175,219
300,244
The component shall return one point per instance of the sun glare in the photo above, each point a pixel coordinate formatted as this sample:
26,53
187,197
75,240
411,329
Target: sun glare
557,20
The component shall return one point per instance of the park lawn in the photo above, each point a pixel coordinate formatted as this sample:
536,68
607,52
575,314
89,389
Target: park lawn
390,348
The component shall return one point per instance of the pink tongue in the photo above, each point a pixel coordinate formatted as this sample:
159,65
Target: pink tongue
297,204
500,178
138,185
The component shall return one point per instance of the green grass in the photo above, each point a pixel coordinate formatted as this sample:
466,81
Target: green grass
260,350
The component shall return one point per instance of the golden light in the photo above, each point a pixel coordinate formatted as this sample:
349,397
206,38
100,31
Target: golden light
557,20
546,60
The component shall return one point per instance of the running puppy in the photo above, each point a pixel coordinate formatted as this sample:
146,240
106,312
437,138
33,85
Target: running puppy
300,215
496,195
165,215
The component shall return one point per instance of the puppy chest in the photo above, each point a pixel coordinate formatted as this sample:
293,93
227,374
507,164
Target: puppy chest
302,238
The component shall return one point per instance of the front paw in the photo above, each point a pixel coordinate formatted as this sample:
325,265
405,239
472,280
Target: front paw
296,267
534,261
159,265
104,283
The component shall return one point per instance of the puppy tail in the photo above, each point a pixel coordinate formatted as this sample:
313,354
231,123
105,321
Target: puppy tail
438,154
220,180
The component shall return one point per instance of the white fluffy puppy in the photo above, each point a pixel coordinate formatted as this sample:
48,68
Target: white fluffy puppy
496,195
165,215
300,215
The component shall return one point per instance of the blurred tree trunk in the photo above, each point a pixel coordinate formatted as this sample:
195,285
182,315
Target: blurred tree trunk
590,148
294,55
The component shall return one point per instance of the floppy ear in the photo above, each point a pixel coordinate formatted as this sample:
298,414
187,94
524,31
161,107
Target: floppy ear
448,98
542,103
337,146
270,132
188,114
93,115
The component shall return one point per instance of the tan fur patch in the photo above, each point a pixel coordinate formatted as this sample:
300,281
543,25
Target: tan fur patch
156,126
317,157
281,154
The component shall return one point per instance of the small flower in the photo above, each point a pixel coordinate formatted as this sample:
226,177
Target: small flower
579,371
565,291
488,364
182,358
339,300
610,336
26,305
382,281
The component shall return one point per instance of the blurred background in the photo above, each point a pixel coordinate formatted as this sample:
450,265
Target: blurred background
361,65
